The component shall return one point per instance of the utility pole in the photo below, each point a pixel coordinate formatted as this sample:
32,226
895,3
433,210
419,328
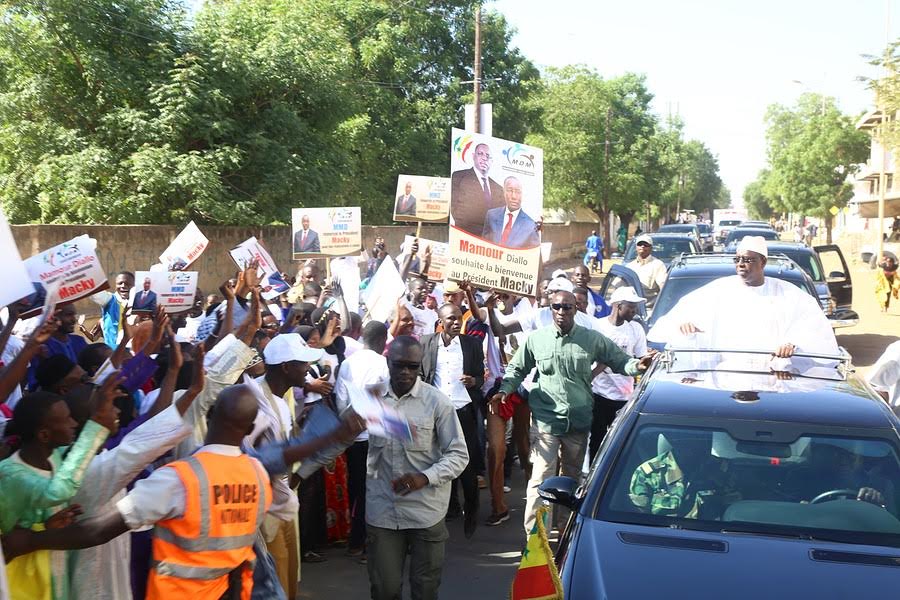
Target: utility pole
477,82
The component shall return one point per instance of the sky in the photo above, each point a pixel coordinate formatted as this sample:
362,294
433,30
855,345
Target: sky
718,63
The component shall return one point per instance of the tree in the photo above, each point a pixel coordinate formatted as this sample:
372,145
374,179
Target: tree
812,150
760,204
581,115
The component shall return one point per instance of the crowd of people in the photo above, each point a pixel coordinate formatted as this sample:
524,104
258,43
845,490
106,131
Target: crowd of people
213,451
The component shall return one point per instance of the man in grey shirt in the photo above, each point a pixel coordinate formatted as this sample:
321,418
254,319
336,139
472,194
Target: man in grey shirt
408,482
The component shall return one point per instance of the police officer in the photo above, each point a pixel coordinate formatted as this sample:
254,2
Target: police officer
206,510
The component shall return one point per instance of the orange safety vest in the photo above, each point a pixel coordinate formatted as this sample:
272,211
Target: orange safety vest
226,498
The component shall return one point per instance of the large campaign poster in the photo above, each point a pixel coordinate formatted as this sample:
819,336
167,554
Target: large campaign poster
335,231
73,265
421,198
496,203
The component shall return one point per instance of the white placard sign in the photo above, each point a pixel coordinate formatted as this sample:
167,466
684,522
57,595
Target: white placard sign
184,249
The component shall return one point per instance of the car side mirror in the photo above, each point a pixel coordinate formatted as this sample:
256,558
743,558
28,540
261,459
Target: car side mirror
560,490
837,275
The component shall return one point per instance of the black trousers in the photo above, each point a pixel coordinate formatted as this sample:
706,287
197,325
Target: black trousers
356,492
604,414
313,513
469,478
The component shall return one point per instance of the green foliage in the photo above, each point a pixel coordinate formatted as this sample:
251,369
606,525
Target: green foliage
812,149
128,112
647,162
887,93
758,201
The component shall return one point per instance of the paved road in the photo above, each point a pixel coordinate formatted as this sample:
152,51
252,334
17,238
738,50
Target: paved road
476,569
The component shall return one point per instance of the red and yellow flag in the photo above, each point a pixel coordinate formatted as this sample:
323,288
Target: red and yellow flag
537,577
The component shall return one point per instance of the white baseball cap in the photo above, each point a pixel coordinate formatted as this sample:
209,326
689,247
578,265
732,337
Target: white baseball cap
560,284
559,273
625,293
643,238
753,243
290,346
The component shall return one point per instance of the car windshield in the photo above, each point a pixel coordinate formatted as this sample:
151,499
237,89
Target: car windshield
739,234
758,478
703,227
676,288
665,249
807,262
729,223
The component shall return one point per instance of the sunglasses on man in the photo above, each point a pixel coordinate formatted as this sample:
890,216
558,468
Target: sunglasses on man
745,259
563,306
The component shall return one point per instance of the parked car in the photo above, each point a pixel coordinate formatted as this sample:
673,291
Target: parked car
666,246
739,233
691,229
690,272
715,484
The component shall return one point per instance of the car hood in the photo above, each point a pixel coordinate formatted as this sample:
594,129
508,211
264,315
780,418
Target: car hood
614,561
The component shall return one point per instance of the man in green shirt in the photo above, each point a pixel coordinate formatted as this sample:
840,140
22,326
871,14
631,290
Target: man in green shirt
561,402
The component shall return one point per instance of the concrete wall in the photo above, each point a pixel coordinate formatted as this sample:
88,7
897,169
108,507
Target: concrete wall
136,247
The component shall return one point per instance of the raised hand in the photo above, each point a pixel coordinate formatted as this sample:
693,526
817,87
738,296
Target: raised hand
105,412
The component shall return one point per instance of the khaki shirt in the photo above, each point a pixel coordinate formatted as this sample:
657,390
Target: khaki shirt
438,450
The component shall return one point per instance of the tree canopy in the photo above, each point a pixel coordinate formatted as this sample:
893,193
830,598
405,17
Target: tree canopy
140,112
812,150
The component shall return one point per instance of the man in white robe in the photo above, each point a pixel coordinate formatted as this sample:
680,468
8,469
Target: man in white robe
748,311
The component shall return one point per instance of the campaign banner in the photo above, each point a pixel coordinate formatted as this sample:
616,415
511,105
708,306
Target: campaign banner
172,290
184,249
273,284
421,198
440,256
13,274
73,265
496,203
333,231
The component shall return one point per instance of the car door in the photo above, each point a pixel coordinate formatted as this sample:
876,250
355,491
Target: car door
620,276
837,274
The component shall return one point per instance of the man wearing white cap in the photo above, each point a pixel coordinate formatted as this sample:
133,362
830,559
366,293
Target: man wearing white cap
650,270
612,390
748,310
287,359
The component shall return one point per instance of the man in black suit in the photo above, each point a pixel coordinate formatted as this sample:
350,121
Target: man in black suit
306,240
454,364
145,300
473,193
406,202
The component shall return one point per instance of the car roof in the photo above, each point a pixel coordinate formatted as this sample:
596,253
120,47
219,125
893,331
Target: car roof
721,265
826,401
670,235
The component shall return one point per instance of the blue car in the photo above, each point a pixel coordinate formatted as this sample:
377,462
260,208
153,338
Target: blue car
719,480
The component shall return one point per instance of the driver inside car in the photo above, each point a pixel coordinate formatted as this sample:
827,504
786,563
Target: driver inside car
684,480
843,470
